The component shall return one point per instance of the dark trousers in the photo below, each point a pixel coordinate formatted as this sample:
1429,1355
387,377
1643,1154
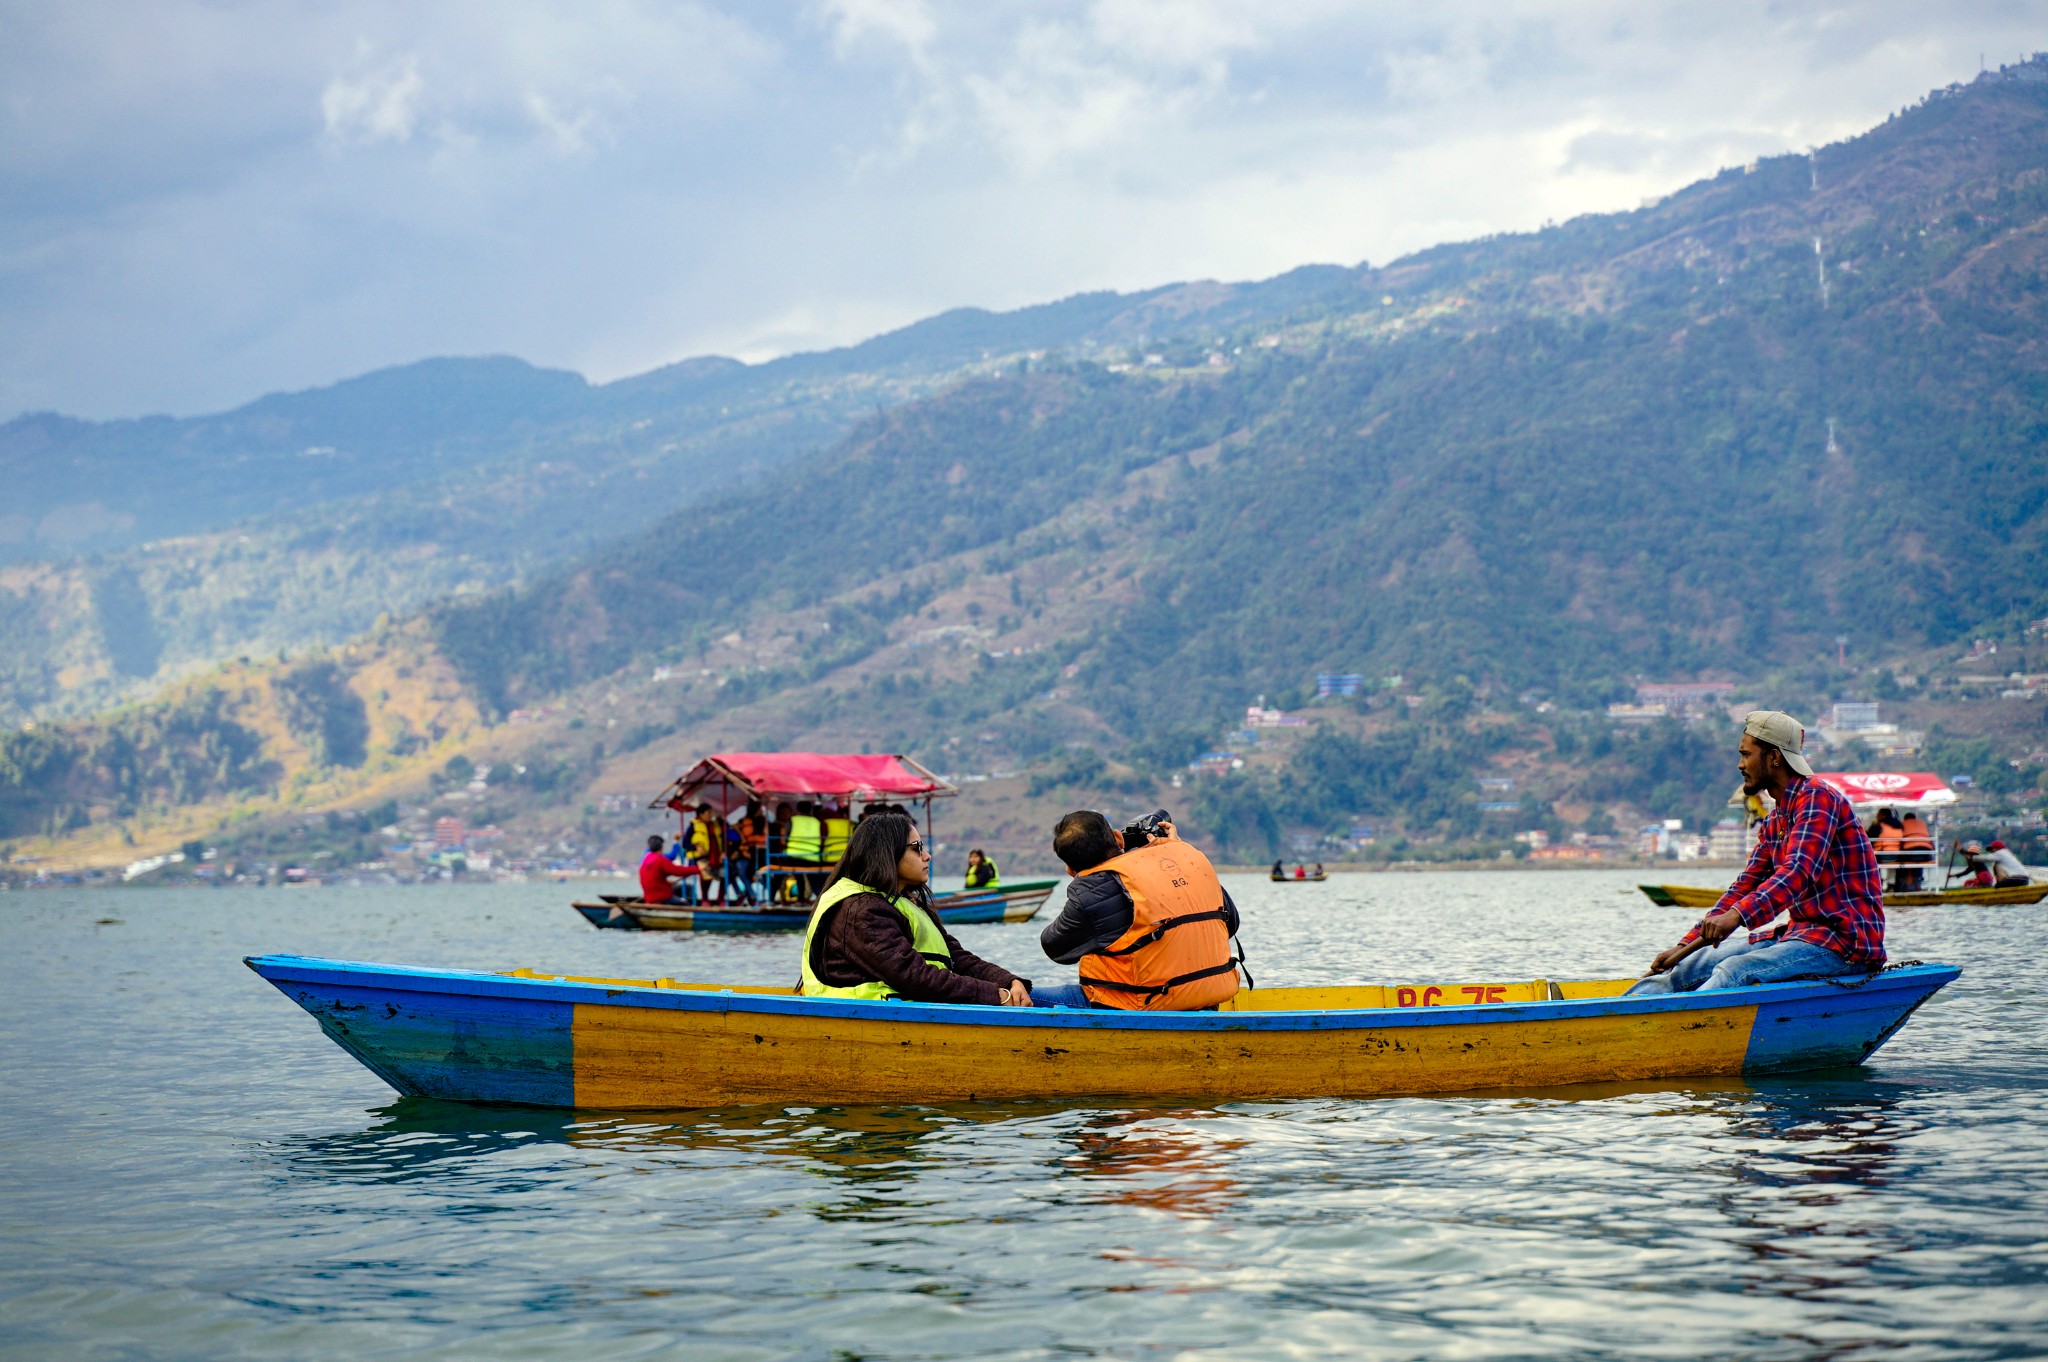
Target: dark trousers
739,878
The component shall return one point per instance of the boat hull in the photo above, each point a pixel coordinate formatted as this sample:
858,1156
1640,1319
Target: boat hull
1014,903
626,1045
2012,895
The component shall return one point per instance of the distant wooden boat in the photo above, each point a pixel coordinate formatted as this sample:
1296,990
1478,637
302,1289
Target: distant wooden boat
1688,896
625,1044
1298,879
1015,902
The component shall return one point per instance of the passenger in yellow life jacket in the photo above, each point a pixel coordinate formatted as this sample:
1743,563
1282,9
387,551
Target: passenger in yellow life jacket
806,846
982,872
835,827
1148,923
874,935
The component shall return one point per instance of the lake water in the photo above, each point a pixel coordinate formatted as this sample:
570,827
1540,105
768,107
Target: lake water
189,1169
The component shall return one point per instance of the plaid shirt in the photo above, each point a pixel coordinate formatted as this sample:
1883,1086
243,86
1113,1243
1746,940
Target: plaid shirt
1813,860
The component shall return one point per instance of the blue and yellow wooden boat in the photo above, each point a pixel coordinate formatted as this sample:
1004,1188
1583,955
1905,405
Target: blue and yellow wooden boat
570,1041
1017,902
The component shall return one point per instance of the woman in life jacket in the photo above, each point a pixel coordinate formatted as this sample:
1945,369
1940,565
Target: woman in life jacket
981,871
873,933
1149,926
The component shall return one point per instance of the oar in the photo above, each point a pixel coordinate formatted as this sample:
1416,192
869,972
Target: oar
1695,944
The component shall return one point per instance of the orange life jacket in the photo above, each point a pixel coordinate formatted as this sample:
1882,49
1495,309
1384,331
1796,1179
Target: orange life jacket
1887,839
1915,834
1176,955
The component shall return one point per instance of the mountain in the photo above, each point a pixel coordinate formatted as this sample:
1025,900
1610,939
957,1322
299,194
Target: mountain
133,553
1790,413
1803,400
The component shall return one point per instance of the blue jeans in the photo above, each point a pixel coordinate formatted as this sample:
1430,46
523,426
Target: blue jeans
1060,995
1739,961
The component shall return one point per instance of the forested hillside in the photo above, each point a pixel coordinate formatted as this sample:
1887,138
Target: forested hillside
1790,415
1675,440
136,552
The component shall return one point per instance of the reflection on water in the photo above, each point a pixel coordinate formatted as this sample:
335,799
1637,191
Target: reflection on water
1162,1161
192,1171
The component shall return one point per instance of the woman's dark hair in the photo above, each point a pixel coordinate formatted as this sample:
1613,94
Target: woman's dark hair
872,851
976,852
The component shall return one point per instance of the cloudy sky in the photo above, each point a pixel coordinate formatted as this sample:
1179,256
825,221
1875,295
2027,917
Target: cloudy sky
202,202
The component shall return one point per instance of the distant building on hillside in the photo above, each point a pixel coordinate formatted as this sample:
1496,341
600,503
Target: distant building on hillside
1685,699
1339,683
1729,841
1637,714
1256,716
1854,716
449,833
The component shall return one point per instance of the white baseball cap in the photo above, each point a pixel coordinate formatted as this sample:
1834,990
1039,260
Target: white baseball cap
1781,731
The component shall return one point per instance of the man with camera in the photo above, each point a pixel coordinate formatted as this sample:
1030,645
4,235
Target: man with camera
1146,920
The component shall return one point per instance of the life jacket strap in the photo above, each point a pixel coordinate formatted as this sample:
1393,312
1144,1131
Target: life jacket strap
1159,991
1165,925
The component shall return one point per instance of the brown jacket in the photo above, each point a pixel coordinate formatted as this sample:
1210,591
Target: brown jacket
864,938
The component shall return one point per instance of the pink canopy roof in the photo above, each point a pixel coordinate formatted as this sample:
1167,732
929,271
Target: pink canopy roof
1893,789
730,779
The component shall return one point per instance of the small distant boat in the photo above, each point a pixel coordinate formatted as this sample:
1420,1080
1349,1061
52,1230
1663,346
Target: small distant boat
1298,879
1018,902
2010,895
658,1044
728,781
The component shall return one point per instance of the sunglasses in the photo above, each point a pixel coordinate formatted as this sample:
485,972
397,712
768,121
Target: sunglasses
917,847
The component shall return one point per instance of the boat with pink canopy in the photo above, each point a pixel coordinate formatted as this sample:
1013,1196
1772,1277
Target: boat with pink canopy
728,781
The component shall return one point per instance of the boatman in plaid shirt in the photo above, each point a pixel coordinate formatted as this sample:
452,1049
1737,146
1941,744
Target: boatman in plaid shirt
1813,862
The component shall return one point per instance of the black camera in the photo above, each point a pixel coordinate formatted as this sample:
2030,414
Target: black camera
1145,829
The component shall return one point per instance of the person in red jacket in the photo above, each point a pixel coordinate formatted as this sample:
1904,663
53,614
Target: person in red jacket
659,876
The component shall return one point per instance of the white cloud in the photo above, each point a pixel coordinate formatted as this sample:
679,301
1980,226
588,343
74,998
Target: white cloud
378,105
200,202
907,24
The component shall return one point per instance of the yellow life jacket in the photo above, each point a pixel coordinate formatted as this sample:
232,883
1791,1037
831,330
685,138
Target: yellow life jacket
837,830
806,839
925,937
1176,956
988,868
699,839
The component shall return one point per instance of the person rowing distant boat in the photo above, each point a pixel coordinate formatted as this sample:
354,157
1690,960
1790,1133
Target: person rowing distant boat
1812,861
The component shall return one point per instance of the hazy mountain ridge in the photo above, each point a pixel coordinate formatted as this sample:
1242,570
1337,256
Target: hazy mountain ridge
300,519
